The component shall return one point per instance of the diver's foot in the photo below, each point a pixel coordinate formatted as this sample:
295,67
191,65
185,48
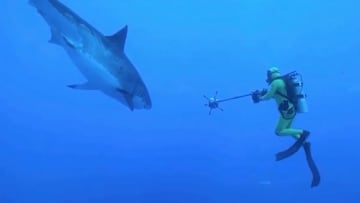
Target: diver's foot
294,148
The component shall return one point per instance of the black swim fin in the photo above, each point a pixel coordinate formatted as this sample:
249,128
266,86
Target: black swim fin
294,148
314,170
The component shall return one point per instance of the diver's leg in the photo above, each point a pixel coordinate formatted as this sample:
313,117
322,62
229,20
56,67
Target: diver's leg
300,135
284,128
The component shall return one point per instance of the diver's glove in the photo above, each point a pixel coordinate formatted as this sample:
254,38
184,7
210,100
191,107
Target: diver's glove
257,94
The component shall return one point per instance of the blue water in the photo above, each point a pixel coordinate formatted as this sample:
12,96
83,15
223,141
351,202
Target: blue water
59,145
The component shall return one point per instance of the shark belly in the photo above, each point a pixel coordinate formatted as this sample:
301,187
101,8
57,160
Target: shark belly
95,72
99,77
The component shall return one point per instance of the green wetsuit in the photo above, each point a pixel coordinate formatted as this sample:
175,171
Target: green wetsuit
286,109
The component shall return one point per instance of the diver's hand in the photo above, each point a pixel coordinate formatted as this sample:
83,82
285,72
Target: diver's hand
263,92
257,94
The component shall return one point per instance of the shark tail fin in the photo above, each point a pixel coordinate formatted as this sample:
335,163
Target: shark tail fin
118,39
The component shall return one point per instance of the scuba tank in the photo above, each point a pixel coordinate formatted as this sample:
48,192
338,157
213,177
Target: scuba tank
295,91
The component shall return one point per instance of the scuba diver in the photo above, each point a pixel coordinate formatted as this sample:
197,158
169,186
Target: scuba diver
286,90
287,106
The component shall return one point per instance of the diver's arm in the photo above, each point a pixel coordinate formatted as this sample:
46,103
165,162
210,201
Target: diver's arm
274,86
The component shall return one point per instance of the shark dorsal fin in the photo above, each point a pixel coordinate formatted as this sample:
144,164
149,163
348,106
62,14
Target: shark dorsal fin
118,39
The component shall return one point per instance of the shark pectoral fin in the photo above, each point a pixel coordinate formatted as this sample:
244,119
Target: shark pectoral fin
128,98
55,39
118,39
83,86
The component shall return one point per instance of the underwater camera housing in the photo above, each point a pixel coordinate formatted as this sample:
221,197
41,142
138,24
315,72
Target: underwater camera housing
213,103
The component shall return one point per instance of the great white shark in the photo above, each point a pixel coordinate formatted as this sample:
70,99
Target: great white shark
100,58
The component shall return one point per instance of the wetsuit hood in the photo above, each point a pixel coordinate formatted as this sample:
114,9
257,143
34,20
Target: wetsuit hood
272,74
